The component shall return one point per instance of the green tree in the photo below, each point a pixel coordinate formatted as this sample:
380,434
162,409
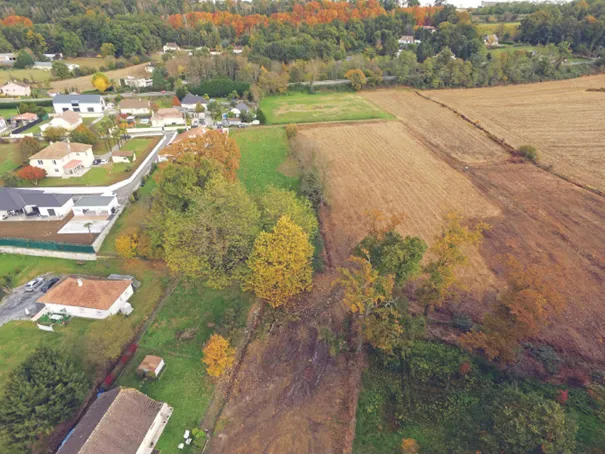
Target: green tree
277,202
23,60
214,237
72,44
28,146
84,135
42,392
108,50
60,70
54,133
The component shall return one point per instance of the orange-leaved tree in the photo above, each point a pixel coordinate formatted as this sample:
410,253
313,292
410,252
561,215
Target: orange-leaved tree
409,445
357,78
32,174
126,245
280,263
218,355
521,311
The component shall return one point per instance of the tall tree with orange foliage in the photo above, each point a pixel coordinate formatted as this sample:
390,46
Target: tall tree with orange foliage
17,20
218,355
522,310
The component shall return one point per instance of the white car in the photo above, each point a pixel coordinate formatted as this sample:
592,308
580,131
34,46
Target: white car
144,121
32,285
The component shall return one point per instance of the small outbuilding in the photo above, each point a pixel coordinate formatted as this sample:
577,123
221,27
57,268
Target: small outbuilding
151,366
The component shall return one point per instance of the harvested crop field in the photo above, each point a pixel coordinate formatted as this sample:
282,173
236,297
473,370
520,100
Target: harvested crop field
562,118
438,127
83,83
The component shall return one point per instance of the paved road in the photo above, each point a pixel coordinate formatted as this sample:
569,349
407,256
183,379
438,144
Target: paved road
13,306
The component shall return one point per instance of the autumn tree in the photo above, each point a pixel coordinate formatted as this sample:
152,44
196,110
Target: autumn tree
54,133
32,174
100,81
521,311
175,101
218,355
108,50
280,263
278,202
409,445
271,82
357,78
28,146
447,252
213,238
84,135
126,245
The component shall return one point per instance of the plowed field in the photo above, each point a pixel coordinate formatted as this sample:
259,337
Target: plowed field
561,118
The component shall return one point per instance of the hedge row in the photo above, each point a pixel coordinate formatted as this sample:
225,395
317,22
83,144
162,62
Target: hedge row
220,87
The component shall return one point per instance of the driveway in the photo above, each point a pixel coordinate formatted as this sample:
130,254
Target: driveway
13,306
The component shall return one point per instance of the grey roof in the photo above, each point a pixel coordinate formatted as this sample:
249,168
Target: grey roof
242,107
94,201
17,199
77,98
192,99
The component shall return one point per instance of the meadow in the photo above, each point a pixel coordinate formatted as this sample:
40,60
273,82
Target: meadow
319,107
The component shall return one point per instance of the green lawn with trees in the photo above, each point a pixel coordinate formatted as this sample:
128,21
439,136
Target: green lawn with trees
319,107
9,157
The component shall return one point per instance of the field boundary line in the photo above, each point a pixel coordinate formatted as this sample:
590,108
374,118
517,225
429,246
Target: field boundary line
508,147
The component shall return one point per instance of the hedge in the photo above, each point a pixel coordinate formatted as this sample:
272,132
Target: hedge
13,104
220,87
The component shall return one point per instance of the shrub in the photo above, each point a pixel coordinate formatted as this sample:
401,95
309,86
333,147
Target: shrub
84,135
126,245
313,188
291,131
529,152
220,87
261,117
462,322
546,355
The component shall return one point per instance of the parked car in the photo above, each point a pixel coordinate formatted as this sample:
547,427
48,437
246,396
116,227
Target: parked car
243,125
104,161
96,162
49,284
32,285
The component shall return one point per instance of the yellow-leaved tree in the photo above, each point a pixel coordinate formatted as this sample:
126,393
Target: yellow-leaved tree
409,445
280,263
126,245
101,82
357,78
218,355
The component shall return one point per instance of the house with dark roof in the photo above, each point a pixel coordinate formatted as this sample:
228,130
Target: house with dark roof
17,202
79,103
96,205
122,420
189,101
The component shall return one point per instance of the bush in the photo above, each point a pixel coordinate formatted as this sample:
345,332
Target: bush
291,131
84,135
261,117
530,152
462,322
546,355
313,188
220,87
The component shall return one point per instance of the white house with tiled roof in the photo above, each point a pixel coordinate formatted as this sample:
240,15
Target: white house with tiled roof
86,297
68,120
168,117
64,159
16,88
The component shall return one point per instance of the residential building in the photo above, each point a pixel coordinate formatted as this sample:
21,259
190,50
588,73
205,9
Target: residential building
89,297
491,40
53,57
237,50
7,59
79,103
72,66
149,68
170,47
151,366
167,117
137,82
68,120
96,205
122,420
429,28
242,107
24,119
124,156
18,202
64,159
135,106
46,66
406,39
16,88
189,101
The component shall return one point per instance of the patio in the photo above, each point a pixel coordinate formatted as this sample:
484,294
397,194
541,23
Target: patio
82,224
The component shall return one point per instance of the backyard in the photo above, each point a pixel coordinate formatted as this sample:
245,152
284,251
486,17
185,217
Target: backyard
319,107
9,157
32,75
190,315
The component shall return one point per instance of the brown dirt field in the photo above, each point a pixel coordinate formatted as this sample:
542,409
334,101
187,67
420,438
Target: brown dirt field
561,118
43,230
84,83
438,126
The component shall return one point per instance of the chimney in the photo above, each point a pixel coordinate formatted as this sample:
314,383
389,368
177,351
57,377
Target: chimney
79,282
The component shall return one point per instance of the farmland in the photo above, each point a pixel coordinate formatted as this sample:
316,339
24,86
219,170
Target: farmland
319,107
32,75
82,84
562,119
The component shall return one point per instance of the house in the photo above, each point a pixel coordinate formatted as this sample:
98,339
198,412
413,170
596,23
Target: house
491,40
242,107
72,66
46,66
406,39
53,57
137,82
237,50
68,120
16,88
235,111
167,117
170,47
79,103
135,106
122,420
231,121
189,101
7,59
92,298
17,201
429,28
95,205
64,159
214,52
124,156
149,68
151,366
24,119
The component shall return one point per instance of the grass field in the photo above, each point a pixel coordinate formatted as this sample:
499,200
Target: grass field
11,112
509,48
84,83
32,75
184,384
9,157
111,172
320,107
507,27
263,151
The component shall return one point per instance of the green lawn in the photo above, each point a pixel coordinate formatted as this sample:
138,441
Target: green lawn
12,111
508,27
510,48
263,151
319,107
9,157
111,172
30,74
184,384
